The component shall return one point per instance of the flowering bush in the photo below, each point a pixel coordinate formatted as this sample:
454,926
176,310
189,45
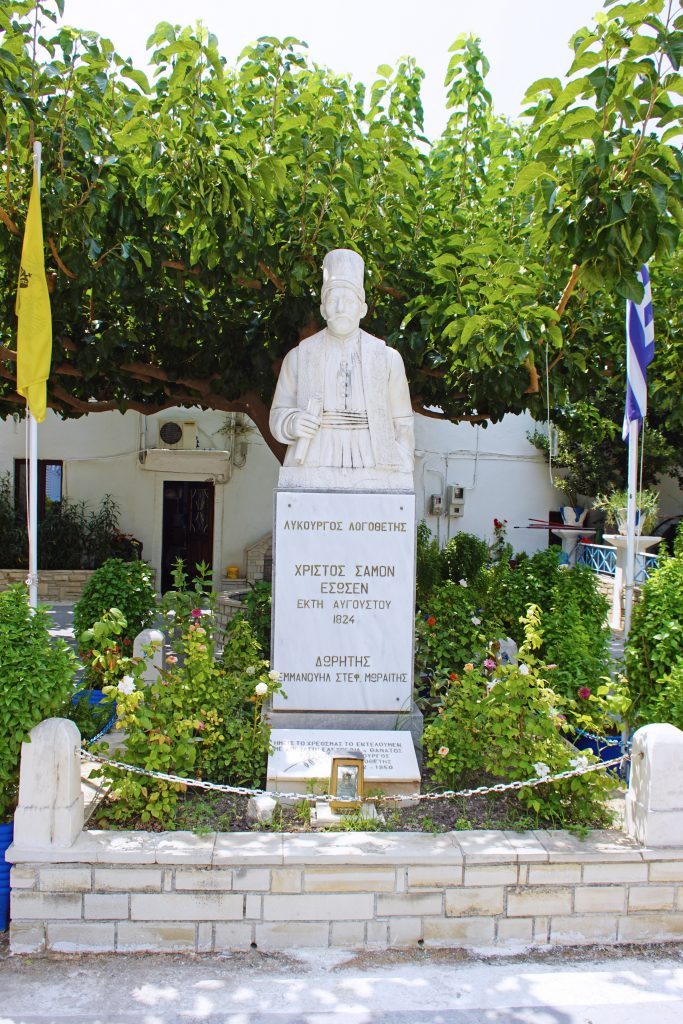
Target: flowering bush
506,721
107,652
500,550
448,633
200,719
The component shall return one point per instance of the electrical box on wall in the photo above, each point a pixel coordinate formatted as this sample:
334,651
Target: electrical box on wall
455,501
435,505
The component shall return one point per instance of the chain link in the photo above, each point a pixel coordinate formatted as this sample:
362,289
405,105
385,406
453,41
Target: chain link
605,741
499,787
102,732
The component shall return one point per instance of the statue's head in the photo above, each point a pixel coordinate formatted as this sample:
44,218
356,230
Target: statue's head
342,302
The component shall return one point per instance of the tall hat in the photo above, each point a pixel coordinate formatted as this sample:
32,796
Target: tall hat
344,267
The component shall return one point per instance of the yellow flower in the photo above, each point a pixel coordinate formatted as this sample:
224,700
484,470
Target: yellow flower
469,667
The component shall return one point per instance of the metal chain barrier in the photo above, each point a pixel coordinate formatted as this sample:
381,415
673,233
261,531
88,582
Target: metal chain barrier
101,733
499,787
604,741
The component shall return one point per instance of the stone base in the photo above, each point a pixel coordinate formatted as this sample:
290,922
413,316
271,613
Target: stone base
363,721
301,759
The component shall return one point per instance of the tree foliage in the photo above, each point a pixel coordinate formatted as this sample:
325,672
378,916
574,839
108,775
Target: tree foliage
186,215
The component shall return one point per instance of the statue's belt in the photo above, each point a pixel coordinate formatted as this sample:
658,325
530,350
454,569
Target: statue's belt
345,420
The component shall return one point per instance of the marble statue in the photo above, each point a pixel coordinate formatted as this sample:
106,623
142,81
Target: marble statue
342,404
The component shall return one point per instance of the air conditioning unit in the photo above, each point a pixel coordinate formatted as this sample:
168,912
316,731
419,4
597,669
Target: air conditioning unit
178,434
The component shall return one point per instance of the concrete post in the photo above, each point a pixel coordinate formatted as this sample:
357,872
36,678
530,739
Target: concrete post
154,662
654,802
50,810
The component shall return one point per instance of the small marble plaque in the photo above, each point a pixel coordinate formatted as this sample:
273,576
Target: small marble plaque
302,757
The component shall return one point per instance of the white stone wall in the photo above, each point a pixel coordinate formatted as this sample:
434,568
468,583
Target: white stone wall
122,892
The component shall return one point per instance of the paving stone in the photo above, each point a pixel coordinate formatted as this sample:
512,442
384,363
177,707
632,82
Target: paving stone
59,878
167,936
349,880
196,906
185,848
650,897
579,929
214,879
318,907
285,935
404,904
474,901
81,937
142,879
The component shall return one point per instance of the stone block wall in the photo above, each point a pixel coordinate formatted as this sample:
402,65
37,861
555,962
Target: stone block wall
260,559
124,892
57,585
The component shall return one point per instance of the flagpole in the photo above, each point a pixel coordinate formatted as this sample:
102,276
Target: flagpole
32,579
630,574
33,466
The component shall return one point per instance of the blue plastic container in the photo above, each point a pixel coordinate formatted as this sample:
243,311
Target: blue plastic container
604,747
6,836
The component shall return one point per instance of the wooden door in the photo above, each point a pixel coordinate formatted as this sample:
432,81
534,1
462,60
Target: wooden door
187,527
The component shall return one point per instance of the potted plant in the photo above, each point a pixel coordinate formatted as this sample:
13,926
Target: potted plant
37,673
615,503
575,478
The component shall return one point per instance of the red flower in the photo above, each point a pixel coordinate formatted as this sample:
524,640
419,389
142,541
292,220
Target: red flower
431,621
454,676
584,693
196,613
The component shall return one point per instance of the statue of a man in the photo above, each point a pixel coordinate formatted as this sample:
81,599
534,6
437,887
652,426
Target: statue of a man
342,403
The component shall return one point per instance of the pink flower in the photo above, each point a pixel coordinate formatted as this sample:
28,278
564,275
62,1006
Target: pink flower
171,659
489,664
201,725
196,613
584,693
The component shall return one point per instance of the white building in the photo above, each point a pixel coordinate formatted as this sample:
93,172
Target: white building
204,490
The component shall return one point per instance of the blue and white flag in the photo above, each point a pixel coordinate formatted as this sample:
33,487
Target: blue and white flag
640,348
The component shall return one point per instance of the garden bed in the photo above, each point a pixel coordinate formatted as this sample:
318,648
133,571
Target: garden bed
203,811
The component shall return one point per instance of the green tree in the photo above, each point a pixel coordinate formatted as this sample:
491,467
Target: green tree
186,217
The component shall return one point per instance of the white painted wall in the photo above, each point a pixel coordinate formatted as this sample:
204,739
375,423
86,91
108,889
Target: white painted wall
503,475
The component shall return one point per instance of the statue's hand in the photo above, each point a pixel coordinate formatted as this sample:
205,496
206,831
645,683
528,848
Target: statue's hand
304,424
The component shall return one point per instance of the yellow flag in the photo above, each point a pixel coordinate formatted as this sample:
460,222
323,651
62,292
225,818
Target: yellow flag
34,331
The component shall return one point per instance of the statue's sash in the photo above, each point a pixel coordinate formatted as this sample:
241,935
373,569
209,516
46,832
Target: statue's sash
375,373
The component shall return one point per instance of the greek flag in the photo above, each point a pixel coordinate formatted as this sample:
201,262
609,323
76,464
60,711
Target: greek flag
640,348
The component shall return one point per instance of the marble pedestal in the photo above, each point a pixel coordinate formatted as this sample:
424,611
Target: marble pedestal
343,615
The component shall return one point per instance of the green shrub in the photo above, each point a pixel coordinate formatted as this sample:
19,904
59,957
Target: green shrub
449,633
257,610
505,721
13,537
462,557
36,675
200,719
667,705
655,642
116,584
576,636
70,535
428,564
